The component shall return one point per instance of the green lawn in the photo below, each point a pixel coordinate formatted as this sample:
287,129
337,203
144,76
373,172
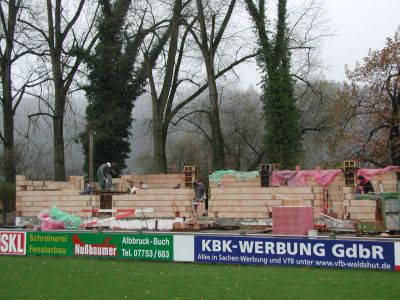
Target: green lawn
72,278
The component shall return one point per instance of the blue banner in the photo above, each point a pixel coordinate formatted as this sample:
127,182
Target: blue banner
295,252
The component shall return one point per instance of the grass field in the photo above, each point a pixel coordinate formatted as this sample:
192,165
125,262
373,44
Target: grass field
72,278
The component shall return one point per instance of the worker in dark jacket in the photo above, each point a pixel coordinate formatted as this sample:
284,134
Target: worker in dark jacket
200,195
363,186
102,173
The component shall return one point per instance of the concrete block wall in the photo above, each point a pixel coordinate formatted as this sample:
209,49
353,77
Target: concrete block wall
256,202
34,196
334,191
165,201
153,180
358,209
235,199
389,181
74,183
247,200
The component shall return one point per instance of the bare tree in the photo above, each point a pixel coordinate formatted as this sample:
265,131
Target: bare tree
241,118
68,33
208,38
15,46
180,85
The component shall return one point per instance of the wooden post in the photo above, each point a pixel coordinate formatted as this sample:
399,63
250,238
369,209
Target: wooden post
90,155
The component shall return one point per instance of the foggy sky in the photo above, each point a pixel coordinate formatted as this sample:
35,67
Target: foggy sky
360,25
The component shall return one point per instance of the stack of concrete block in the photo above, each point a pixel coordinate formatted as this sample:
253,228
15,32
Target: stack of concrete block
167,203
231,181
153,180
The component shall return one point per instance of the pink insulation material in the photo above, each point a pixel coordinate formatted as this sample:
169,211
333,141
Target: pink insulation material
369,173
292,220
298,178
48,223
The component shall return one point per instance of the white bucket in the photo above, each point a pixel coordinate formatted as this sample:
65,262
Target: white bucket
313,233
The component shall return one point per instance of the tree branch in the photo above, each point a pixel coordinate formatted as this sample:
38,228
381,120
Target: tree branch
40,114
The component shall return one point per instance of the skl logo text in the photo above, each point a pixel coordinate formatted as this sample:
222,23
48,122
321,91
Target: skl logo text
12,243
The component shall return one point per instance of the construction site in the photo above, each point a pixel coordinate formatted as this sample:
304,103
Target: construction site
281,202
267,217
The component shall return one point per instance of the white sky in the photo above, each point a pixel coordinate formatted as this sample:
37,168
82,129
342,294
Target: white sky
360,25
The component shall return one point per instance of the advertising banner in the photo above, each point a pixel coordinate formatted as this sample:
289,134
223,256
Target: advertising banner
115,245
12,243
295,252
306,252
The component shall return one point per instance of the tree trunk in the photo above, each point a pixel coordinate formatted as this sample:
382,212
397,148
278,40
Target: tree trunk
56,48
159,142
7,98
58,136
8,125
217,145
58,130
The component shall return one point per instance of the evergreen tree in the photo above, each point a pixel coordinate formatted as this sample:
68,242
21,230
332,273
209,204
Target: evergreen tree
283,141
110,92
114,83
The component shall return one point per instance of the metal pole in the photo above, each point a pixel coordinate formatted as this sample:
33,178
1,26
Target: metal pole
90,155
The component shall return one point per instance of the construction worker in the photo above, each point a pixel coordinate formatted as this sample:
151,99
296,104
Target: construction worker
88,188
363,186
102,174
200,195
